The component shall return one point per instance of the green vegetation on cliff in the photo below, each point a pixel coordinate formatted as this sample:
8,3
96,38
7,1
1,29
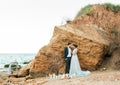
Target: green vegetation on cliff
87,9
112,6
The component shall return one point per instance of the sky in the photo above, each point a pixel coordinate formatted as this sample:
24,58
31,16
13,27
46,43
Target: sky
28,25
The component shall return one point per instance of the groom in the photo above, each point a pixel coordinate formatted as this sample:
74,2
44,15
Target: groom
67,56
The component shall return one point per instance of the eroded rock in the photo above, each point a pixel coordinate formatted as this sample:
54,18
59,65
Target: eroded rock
92,45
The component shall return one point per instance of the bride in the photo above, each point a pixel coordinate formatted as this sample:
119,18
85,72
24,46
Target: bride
75,69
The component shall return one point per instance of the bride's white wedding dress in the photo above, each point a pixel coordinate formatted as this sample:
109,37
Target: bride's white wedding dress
75,69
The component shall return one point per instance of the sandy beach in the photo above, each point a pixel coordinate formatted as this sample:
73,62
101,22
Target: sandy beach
108,77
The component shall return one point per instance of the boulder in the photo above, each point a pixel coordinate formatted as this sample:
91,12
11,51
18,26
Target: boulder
24,71
92,44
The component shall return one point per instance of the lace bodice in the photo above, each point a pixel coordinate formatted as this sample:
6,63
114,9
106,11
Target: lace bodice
75,51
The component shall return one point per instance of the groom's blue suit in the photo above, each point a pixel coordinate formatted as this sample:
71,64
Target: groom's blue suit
67,59
65,52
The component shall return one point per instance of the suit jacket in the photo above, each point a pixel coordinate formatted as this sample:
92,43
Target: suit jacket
65,52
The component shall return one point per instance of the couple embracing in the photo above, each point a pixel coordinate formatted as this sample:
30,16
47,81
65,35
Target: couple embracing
73,68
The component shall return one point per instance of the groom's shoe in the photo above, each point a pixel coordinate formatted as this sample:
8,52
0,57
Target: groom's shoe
66,75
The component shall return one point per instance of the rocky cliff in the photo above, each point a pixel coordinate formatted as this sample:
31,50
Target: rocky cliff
96,35
92,42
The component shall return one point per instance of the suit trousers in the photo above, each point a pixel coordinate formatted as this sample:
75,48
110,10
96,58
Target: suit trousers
68,61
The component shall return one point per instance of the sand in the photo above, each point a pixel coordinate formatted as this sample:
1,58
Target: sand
96,78
109,77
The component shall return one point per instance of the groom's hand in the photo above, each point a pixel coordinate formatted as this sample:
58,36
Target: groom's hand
65,58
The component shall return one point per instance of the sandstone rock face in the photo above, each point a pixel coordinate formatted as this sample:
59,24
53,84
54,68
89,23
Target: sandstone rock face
114,61
105,18
92,42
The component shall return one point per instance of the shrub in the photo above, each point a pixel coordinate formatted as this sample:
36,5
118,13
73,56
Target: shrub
86,10
112,6
68,21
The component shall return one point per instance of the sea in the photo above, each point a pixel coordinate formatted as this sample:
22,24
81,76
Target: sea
20,58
